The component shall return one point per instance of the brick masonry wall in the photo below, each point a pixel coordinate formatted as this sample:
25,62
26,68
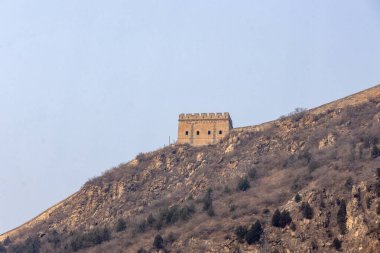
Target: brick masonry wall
203,129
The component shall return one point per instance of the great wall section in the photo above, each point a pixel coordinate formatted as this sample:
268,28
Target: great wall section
354,99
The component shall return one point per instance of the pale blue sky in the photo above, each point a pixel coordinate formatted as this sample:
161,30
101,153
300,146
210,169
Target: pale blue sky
86,84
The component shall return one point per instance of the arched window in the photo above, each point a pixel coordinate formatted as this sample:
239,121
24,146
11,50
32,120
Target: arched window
187,133
220,132
209,132
197,132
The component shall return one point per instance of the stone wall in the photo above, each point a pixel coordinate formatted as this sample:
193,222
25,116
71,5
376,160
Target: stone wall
203,129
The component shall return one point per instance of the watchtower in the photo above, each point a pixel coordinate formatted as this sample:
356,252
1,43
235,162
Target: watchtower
203,129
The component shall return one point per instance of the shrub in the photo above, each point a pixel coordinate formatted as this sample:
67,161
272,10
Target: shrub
377,187
313,165
378,208
16,248
99,235
291,160
227,189
349,183
7,241
307,210
360,155
210,212
171,238
158,242
186,212
142,250
305,156
293,226
232,208
121,225
368,201
207,200
150,220
357,195
207,203
366,141
243,184
141,226
322,203
167,216
337,244
171,215
30,245
297,198
254,233
378,173
141,157
54,238
158,224
252,173
89,239
375,152
342,216
297,114
240,232
314,245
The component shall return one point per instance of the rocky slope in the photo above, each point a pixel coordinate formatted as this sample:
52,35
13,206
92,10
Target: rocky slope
326,156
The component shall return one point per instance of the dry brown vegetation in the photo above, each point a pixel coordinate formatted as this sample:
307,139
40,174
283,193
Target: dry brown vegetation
195,197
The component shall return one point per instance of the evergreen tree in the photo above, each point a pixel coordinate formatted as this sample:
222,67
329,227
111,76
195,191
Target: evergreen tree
276,218
243,184
252,173
342,217
375,152
307,210
240,233
337,244
207,203
285,218
158,242
254,233
7,241
150,220
121,225
297,198
281,219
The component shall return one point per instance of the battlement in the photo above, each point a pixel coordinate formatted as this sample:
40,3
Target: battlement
204,116
203,128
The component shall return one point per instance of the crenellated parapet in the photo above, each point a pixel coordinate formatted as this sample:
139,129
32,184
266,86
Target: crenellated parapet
204,116
203,128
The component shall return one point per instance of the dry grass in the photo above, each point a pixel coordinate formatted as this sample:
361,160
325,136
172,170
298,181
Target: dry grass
178,174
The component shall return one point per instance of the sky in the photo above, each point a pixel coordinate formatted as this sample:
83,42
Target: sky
86,84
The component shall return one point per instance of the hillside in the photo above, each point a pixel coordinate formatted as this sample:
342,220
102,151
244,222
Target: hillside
319,168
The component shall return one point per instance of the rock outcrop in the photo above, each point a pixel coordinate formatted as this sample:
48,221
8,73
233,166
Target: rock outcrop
324,156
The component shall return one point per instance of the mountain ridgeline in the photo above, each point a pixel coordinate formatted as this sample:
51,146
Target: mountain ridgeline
307,182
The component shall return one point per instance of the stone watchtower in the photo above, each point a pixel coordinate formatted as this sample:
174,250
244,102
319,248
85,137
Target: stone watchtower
203,129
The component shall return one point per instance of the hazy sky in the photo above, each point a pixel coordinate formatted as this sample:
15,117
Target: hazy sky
86,84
